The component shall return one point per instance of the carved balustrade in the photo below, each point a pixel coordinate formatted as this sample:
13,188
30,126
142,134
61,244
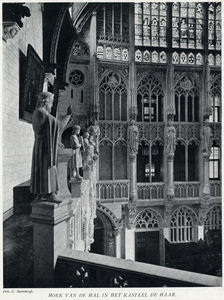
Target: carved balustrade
152,191
113,190
113,131
185,190
187,131
215,188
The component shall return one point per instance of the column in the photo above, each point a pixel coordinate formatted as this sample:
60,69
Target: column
118,244
133,178
170,144
133,136
206,186
170,182
130,243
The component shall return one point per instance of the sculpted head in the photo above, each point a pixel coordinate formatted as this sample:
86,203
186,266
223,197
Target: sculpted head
76,129
45,99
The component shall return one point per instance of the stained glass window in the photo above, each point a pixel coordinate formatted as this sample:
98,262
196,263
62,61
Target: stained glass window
187,25
113,21
150,24
214,26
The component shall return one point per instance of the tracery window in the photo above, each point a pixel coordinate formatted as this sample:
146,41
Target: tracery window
214,163
113,98
150,24
186,101
187,25
213,219
181,226
216,100
146,219
150,100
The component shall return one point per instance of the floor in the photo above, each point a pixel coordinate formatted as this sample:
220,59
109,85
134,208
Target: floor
18,252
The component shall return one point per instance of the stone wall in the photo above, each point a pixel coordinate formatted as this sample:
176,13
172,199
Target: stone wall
17,135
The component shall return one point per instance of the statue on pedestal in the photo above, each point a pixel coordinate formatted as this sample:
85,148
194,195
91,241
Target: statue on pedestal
94,131
76,143
206,138
44,180
170,138
86,150
133,135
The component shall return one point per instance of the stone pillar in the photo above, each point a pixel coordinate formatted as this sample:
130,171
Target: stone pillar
170,147
118,245
170,182
50,238
133,178
130,243
206,186
200,232
133,137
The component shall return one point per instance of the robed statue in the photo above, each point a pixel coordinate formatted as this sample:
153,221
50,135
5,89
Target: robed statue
44,180
133,135
94,131
206,137
170,138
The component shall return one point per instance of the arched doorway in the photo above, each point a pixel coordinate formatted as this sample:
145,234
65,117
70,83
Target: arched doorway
104,236
147,238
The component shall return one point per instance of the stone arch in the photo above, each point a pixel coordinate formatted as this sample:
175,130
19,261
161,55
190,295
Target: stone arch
183,223
149,214
106,238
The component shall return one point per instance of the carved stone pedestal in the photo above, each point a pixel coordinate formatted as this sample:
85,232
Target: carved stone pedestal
76,187
63,157
50,237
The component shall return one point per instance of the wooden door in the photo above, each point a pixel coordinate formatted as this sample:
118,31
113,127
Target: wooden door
147,247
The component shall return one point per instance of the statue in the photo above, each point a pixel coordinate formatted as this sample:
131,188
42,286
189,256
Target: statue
133,135
206,138
76,143
44,181
170,138
94,131
86,150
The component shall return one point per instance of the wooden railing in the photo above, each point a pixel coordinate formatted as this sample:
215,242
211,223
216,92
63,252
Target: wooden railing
76,269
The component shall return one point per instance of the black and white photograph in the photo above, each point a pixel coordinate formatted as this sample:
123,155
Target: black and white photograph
111,150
